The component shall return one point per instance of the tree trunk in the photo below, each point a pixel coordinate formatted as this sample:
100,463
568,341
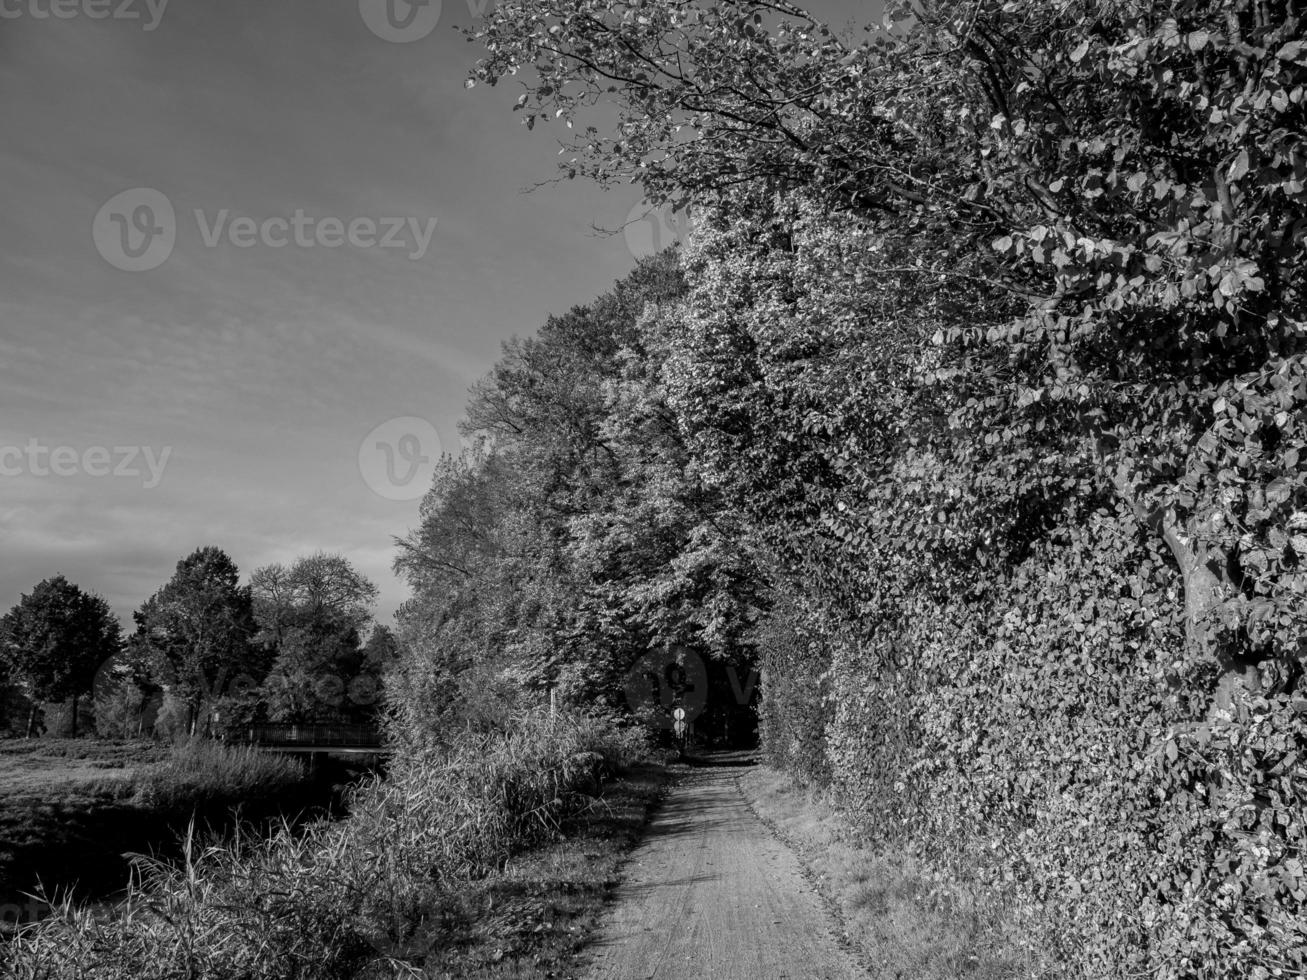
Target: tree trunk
31,719
1204,591
74,733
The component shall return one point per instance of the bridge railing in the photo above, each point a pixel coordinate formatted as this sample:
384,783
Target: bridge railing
292,735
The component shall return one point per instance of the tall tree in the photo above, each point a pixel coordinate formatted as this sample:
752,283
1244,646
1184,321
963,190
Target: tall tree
55,639
997,333
199,630
1126,178
314,590
577,537
312,613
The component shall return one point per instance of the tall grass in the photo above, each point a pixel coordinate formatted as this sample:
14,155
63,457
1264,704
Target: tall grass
201,772
359,897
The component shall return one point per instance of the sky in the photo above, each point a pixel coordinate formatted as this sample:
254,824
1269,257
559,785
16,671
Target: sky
252,255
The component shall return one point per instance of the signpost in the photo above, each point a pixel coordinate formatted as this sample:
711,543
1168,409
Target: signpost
679,728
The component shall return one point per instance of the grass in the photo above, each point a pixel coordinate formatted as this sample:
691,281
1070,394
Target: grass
59,800
534,918
59,767
70,807
890,909
202,773
430,865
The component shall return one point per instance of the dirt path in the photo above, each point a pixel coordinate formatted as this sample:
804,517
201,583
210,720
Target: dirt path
710,893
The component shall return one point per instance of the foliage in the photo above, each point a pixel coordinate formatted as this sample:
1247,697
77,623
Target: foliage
796,709
995,333
55,639
574,537
119,712
315,591
197,632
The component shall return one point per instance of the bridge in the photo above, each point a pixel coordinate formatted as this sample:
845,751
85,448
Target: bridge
311,739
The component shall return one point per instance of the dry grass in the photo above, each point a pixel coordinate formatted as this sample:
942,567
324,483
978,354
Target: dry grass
60,767
891,910
70,807
199,773
377,894
534,918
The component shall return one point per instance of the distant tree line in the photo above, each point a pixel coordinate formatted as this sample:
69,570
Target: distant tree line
208,654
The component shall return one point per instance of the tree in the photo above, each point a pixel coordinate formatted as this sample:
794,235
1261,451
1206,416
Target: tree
55,639
575,537
312,613
996,334
1127,178
315,590
199,630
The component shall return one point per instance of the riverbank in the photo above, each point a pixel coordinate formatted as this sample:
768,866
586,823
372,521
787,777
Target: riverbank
72,809
425,862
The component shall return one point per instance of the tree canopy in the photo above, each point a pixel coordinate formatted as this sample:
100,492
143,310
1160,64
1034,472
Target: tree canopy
198,631
55,639
992,345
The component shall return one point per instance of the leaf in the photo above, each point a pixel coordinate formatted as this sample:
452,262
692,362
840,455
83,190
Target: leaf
1291,51
1239,168
1080,51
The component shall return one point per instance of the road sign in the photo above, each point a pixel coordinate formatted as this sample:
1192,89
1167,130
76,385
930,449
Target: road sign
679,714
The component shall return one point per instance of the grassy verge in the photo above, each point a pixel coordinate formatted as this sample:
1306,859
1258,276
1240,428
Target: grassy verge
896,919
69,808
456,849
533,919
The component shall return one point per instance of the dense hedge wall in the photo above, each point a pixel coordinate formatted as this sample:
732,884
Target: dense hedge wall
796,708
985,654
996,336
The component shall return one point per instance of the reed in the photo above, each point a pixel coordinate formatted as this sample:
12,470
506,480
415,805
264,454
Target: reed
356,897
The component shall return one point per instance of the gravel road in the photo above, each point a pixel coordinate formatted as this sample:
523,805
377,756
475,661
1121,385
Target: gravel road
710,894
